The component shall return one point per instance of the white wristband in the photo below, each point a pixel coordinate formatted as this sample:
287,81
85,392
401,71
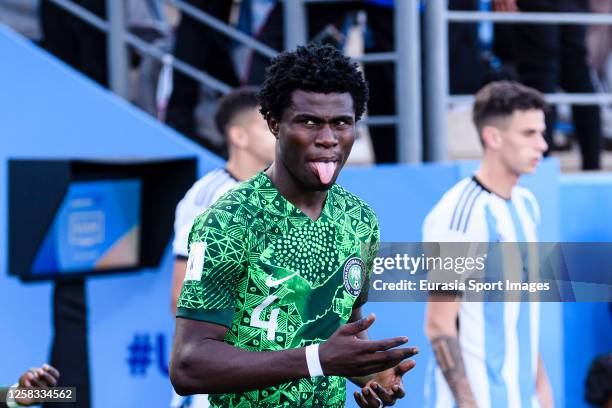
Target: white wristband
313,362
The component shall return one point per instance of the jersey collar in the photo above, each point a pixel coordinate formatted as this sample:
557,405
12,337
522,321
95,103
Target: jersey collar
327,205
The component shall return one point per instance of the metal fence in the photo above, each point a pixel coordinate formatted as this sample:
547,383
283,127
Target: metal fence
407,58
437,97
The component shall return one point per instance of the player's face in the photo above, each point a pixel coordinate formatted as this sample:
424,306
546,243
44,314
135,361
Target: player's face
261,141
522,143
315,137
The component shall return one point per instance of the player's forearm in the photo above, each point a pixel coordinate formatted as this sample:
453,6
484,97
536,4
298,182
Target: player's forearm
448,354
214,367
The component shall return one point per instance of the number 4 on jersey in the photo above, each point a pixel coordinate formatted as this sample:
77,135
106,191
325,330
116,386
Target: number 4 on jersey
272,324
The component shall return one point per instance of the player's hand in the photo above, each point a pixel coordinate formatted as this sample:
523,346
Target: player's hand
45,376
346,355
385,388
505,5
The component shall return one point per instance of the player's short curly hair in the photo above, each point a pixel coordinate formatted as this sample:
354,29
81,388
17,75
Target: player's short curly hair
312,68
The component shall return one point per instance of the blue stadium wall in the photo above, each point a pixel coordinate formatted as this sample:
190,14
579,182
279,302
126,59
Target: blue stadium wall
49,111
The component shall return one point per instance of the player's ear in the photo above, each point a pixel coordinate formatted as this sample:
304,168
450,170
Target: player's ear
491,137
273,124
237,137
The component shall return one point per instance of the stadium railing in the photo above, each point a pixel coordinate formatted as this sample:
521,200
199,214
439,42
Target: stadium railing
407,57
437,98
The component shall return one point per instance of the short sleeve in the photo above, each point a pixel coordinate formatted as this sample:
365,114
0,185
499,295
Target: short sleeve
217,258
184,216
438,225
442,241
179,244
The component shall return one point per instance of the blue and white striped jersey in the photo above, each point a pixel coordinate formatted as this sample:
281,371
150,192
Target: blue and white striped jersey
499,340
200,196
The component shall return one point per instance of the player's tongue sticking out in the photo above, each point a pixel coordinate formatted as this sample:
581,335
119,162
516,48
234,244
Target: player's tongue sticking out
325,170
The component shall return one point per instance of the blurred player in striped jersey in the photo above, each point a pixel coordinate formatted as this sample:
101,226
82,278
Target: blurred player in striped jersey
487,352
251,148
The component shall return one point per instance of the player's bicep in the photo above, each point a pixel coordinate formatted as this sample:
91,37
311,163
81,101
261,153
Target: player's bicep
190,340
189,331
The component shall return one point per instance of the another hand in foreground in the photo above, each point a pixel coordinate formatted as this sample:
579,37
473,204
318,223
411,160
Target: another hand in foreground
45,376
385,388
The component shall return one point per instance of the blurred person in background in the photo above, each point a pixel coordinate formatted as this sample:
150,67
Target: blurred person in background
599,40
251,149
75,41
486,353
207,50
549,56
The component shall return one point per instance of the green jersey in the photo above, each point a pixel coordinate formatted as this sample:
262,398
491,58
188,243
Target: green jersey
279,280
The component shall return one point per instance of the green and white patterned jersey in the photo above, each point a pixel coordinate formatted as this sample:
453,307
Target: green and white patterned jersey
279,280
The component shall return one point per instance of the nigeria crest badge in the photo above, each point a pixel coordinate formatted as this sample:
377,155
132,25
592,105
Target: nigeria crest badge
353,274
